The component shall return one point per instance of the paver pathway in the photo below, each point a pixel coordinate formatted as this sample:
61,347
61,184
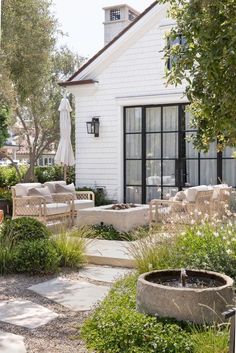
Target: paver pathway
44,313
10,343
25,313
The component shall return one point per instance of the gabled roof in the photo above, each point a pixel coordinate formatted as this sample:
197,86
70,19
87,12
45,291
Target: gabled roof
79,82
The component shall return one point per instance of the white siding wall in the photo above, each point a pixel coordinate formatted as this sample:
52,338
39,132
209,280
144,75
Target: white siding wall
135,77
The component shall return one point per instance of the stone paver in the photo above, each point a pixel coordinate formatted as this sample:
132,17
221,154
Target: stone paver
103,273
110,252
77,295
25,313
10,343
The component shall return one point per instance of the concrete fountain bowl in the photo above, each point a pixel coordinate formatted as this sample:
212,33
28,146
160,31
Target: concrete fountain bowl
191,295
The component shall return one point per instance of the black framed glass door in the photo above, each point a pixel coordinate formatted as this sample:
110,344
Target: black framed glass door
159,160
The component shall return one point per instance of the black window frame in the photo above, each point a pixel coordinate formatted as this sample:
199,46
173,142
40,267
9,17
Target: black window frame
180,170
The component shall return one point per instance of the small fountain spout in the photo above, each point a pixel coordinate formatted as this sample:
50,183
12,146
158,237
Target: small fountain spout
183,277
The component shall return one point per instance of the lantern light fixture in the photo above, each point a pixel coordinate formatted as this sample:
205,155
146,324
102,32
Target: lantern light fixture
93,126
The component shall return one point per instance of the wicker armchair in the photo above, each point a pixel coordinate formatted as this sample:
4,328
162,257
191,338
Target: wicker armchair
36,207
171,211
222,201
83,199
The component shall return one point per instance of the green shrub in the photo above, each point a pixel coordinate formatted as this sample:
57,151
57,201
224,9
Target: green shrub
24,228
116,327
108,232
71,248
53,173
35,257
9,177
205,246
100,195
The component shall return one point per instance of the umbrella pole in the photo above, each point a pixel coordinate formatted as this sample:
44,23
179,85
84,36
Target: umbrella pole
65,172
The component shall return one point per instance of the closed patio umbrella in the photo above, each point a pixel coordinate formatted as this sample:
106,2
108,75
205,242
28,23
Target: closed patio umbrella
65,154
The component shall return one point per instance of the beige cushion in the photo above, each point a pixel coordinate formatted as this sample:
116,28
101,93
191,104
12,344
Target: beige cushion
22,188
56,208
180,196
191,193
66,189
52,185
81,204
44,192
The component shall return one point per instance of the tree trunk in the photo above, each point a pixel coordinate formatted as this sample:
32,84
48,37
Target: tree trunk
30,174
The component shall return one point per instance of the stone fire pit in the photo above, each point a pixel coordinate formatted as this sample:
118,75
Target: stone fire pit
123,217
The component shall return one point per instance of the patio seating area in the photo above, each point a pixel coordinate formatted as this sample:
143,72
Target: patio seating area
49,202
56,201
194,203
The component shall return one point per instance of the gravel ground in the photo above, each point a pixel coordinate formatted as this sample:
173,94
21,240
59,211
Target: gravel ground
60,335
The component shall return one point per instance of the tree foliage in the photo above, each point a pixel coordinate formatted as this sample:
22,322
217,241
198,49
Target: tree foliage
33,66
3,124
207,64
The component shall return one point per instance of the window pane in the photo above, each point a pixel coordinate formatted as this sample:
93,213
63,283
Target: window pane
169,192
153,119
133,146
191,176
228,152
152,193
211,153
170,118
208,172
168,173
229,172
134,194
133,172
153,146
133,120
191,152
188,118
153,172
170,145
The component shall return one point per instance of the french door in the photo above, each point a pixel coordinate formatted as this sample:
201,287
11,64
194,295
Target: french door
159,160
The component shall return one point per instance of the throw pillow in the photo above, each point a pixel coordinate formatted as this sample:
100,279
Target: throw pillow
44,192
66,189
180,196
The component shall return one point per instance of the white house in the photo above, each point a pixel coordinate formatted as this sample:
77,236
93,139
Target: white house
141,152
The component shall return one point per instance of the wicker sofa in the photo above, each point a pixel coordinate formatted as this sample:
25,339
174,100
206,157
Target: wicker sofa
46,203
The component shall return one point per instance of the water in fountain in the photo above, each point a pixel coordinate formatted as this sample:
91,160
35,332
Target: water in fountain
186,279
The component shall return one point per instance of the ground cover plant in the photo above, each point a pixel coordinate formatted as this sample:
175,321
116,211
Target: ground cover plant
116,327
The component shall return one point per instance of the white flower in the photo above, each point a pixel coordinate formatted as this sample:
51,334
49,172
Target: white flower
216,234
229,251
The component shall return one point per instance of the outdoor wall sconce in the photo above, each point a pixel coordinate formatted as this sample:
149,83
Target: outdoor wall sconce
93,126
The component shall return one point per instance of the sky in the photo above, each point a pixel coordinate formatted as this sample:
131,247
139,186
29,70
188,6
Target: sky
82,21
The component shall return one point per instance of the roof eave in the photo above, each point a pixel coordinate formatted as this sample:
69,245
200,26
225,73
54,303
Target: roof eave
75,83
